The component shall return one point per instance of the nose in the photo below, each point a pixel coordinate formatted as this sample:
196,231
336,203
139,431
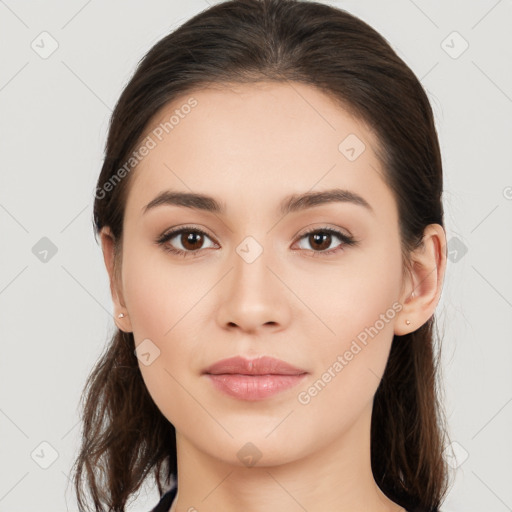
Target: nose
252,297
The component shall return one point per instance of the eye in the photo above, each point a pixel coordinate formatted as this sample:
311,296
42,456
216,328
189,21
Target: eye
190,239
322,238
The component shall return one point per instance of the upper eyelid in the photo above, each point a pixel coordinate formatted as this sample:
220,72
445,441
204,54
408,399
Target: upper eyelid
336,231
176,231
179,229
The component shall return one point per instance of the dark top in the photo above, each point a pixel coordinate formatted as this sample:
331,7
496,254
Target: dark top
166,500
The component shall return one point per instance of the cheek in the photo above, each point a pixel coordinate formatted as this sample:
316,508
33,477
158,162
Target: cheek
158,293
356,295
350,364
360,307
163,302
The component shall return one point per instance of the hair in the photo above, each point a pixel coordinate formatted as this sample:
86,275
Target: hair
125,437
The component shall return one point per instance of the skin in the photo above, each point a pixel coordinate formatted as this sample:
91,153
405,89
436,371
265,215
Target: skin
249,146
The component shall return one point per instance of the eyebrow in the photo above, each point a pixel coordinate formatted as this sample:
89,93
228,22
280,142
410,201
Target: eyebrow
292,203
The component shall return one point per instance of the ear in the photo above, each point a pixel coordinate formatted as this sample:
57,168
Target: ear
423,288
107,244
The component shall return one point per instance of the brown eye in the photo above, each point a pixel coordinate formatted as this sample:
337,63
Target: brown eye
191,241
320,241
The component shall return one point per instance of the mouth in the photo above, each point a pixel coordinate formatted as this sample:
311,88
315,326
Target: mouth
253,379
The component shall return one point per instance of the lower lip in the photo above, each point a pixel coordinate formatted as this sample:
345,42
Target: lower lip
254,387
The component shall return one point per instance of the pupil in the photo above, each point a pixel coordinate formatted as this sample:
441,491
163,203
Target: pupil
317,237
190,239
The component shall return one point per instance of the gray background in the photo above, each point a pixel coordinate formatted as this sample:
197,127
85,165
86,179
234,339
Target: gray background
56,307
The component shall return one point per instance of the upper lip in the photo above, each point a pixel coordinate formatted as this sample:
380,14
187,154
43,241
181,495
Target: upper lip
259,366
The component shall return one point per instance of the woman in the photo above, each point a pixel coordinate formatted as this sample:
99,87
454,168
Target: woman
271,221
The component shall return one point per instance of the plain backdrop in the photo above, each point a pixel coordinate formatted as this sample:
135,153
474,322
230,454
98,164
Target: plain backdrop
63,67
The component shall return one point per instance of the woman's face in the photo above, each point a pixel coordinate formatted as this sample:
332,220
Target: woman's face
256,284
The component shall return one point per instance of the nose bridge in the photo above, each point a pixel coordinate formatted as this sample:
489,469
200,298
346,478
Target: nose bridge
253,251
250,260
253,296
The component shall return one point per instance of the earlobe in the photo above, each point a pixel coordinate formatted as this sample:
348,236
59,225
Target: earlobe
123,322
120,314
428,264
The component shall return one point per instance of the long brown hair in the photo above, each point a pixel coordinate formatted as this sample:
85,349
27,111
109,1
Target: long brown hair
125,436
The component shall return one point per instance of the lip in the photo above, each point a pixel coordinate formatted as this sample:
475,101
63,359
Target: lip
253,379
263,365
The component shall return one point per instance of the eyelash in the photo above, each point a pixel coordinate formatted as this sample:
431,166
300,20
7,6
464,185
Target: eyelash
162,240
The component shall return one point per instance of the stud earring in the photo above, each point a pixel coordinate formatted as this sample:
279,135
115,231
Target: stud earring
408,322
121,315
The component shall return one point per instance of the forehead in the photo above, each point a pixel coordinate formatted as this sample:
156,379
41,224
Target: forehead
255,143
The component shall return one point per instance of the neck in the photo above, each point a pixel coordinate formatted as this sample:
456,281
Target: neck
336,477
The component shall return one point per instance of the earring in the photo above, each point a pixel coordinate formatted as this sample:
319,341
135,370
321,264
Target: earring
121,315
408,322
